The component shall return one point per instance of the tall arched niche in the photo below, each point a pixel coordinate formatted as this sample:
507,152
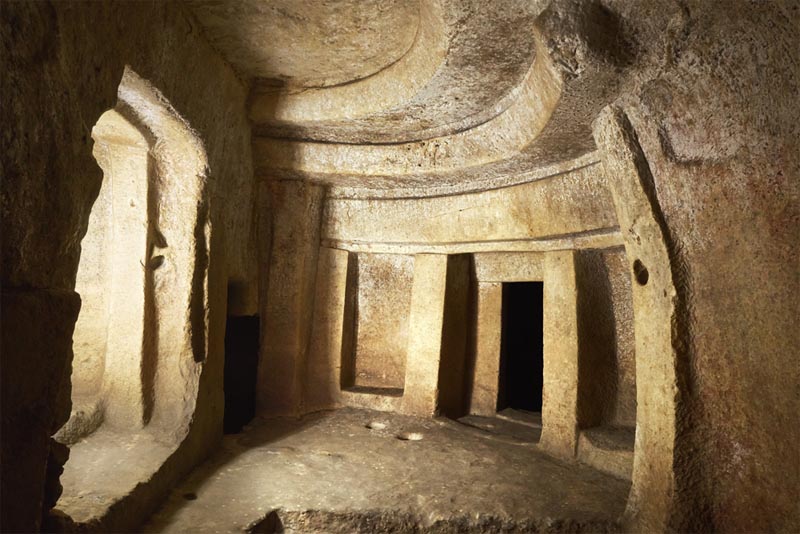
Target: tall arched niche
141,337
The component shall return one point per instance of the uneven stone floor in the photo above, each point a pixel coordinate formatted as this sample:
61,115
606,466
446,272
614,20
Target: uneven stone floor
330,472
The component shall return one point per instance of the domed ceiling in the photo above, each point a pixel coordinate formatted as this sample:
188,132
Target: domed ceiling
406,97
309,43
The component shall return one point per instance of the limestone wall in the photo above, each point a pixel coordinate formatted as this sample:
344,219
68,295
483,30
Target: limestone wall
608,360
116,349
382,308
563,204
64,61
93,284
714,107
368,290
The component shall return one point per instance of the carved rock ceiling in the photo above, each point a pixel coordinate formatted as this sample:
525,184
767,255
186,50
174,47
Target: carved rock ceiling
309,43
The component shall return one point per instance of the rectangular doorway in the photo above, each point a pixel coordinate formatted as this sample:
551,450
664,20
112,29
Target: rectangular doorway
241,366
521,347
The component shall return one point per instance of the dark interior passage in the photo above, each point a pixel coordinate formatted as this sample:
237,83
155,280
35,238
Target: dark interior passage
521,352
241,363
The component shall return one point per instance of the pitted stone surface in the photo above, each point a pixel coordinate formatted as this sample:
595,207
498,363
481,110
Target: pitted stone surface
289,42
490,48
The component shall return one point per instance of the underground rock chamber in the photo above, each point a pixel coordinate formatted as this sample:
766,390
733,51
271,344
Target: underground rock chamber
480,338
398,266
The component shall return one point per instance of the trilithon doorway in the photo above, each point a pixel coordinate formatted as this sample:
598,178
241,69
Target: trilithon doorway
521,347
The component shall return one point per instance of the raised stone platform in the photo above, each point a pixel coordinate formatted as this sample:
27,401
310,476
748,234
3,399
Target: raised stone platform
105,468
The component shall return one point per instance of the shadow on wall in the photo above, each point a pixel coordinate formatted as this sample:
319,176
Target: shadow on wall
607,373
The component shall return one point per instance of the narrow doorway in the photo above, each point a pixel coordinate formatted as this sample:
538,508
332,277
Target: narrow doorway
241,364
521,347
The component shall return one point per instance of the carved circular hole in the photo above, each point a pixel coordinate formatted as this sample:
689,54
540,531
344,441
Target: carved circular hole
191,496
410,436
376,425
640,273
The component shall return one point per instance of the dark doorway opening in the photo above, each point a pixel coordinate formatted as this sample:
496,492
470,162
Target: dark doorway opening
241,364
521,347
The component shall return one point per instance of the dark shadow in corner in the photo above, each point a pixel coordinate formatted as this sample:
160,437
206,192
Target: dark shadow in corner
241,364
198,297
597,353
